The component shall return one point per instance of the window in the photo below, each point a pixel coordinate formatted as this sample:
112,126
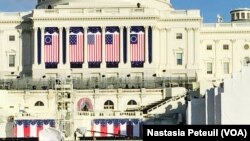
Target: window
39,103
178,35
209,47
11,38
226,67
179,58
11,60
225,47
232,16
85,108
209,68
49,7
248,15
246,61
108,105
237,16
243,15
132,102
246,46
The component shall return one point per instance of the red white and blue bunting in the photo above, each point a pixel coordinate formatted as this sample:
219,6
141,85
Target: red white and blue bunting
116,127
31,128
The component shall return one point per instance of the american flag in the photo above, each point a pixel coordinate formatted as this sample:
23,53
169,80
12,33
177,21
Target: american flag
112,44
94,44
137,44
31,128
51,45
116,127
76,44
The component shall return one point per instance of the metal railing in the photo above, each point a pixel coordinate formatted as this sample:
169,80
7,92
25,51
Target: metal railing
109,114
167,101
90,83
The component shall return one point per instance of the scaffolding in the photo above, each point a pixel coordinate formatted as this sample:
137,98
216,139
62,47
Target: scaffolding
95,83
65,106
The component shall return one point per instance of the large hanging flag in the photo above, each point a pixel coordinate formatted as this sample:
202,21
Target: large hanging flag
112,44
51,45
31,128
94,45
76,44
116,127
137,44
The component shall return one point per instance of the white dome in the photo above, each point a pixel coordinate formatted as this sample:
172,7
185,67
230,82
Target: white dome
159,4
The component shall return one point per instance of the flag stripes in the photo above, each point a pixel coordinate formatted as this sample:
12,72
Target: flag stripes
137,47
51,45
76,44
94,38
137,44
94,44
112,44
116,127
30,128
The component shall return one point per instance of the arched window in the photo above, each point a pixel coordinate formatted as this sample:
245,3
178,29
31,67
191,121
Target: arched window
39,103
85,108
49,7
108,105
84,104
132,102
246,46
246,61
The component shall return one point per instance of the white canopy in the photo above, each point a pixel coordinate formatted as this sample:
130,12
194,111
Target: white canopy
50,134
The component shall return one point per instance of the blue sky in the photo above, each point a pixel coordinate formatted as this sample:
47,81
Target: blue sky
209,8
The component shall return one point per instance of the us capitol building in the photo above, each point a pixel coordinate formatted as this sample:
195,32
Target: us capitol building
94,64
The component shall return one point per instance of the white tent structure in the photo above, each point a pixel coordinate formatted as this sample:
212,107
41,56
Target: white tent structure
50,134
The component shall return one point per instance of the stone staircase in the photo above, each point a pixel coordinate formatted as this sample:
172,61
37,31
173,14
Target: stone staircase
167,106
154,104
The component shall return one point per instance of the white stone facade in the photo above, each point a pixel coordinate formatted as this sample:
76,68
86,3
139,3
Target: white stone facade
199,43
183,48
217,107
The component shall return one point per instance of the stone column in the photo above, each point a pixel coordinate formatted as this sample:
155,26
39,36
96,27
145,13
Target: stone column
167,47
128,46
121,45
20,51
216,58
189,52
155,47
85,48
196,56
42,45
119,105
67,48
35,29
103,64
232,68
60,46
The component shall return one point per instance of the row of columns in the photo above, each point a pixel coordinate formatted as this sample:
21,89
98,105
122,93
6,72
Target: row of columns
192,47
42,29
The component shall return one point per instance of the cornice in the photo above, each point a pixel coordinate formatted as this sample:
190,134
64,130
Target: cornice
11,21
92,18
181,20
222,32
